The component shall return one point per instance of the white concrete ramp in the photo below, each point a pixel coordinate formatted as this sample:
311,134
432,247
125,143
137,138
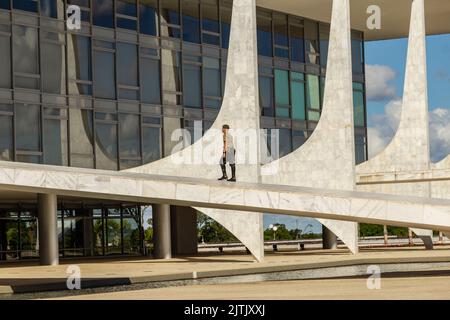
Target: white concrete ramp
251,197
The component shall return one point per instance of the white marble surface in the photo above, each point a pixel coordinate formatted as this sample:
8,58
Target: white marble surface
327,159
249,197
409,149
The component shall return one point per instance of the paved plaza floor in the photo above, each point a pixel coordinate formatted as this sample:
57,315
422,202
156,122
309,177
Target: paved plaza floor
30,277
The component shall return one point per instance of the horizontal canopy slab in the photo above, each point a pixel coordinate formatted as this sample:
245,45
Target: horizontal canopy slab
395,15
363,207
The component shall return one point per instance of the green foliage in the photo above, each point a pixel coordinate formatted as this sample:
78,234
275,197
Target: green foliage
283,233
371,230
148,235
211,231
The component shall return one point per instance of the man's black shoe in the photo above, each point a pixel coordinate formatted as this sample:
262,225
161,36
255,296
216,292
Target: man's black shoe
232,179
223,178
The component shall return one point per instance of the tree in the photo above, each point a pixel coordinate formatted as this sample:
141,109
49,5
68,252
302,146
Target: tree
210,231
282,233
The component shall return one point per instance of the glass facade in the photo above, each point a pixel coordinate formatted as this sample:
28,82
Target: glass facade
83,230
293,54
110,95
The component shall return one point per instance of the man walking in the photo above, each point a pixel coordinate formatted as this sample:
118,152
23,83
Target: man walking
228,155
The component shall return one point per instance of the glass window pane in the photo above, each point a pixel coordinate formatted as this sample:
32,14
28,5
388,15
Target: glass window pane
27,124
104,84
312,92
171,72
281,88
324,41
298,100
53,68
126,7
106,146
130,142
103,13
124,23
131,242
266,92
298,138
25,46
6,137
81,138
360,148
210,15
297,44
170,12
26,5
55,142
211,77
192,79
211,39
151,144
191,21
285,142
311,41
225,14
264,34
282,112
79,57
5,53
148,11
150,81
127,66
4,4
358,102
357,56
313,115
52,8
280,29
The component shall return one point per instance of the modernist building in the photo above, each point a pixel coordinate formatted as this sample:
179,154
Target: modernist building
110,95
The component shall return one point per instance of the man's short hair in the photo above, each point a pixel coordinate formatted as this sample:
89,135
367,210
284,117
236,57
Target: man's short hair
225,126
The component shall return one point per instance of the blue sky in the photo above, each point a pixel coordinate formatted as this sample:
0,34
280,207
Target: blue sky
392,53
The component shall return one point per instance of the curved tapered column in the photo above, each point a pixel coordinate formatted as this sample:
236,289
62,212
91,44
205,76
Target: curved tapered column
327,159
409,149
240,110
48,230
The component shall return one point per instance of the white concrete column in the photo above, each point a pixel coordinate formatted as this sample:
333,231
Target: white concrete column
161,231
416,95
48,231
327,159
329,239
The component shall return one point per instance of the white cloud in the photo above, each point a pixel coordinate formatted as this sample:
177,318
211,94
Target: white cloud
378,82
439,133
384,126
